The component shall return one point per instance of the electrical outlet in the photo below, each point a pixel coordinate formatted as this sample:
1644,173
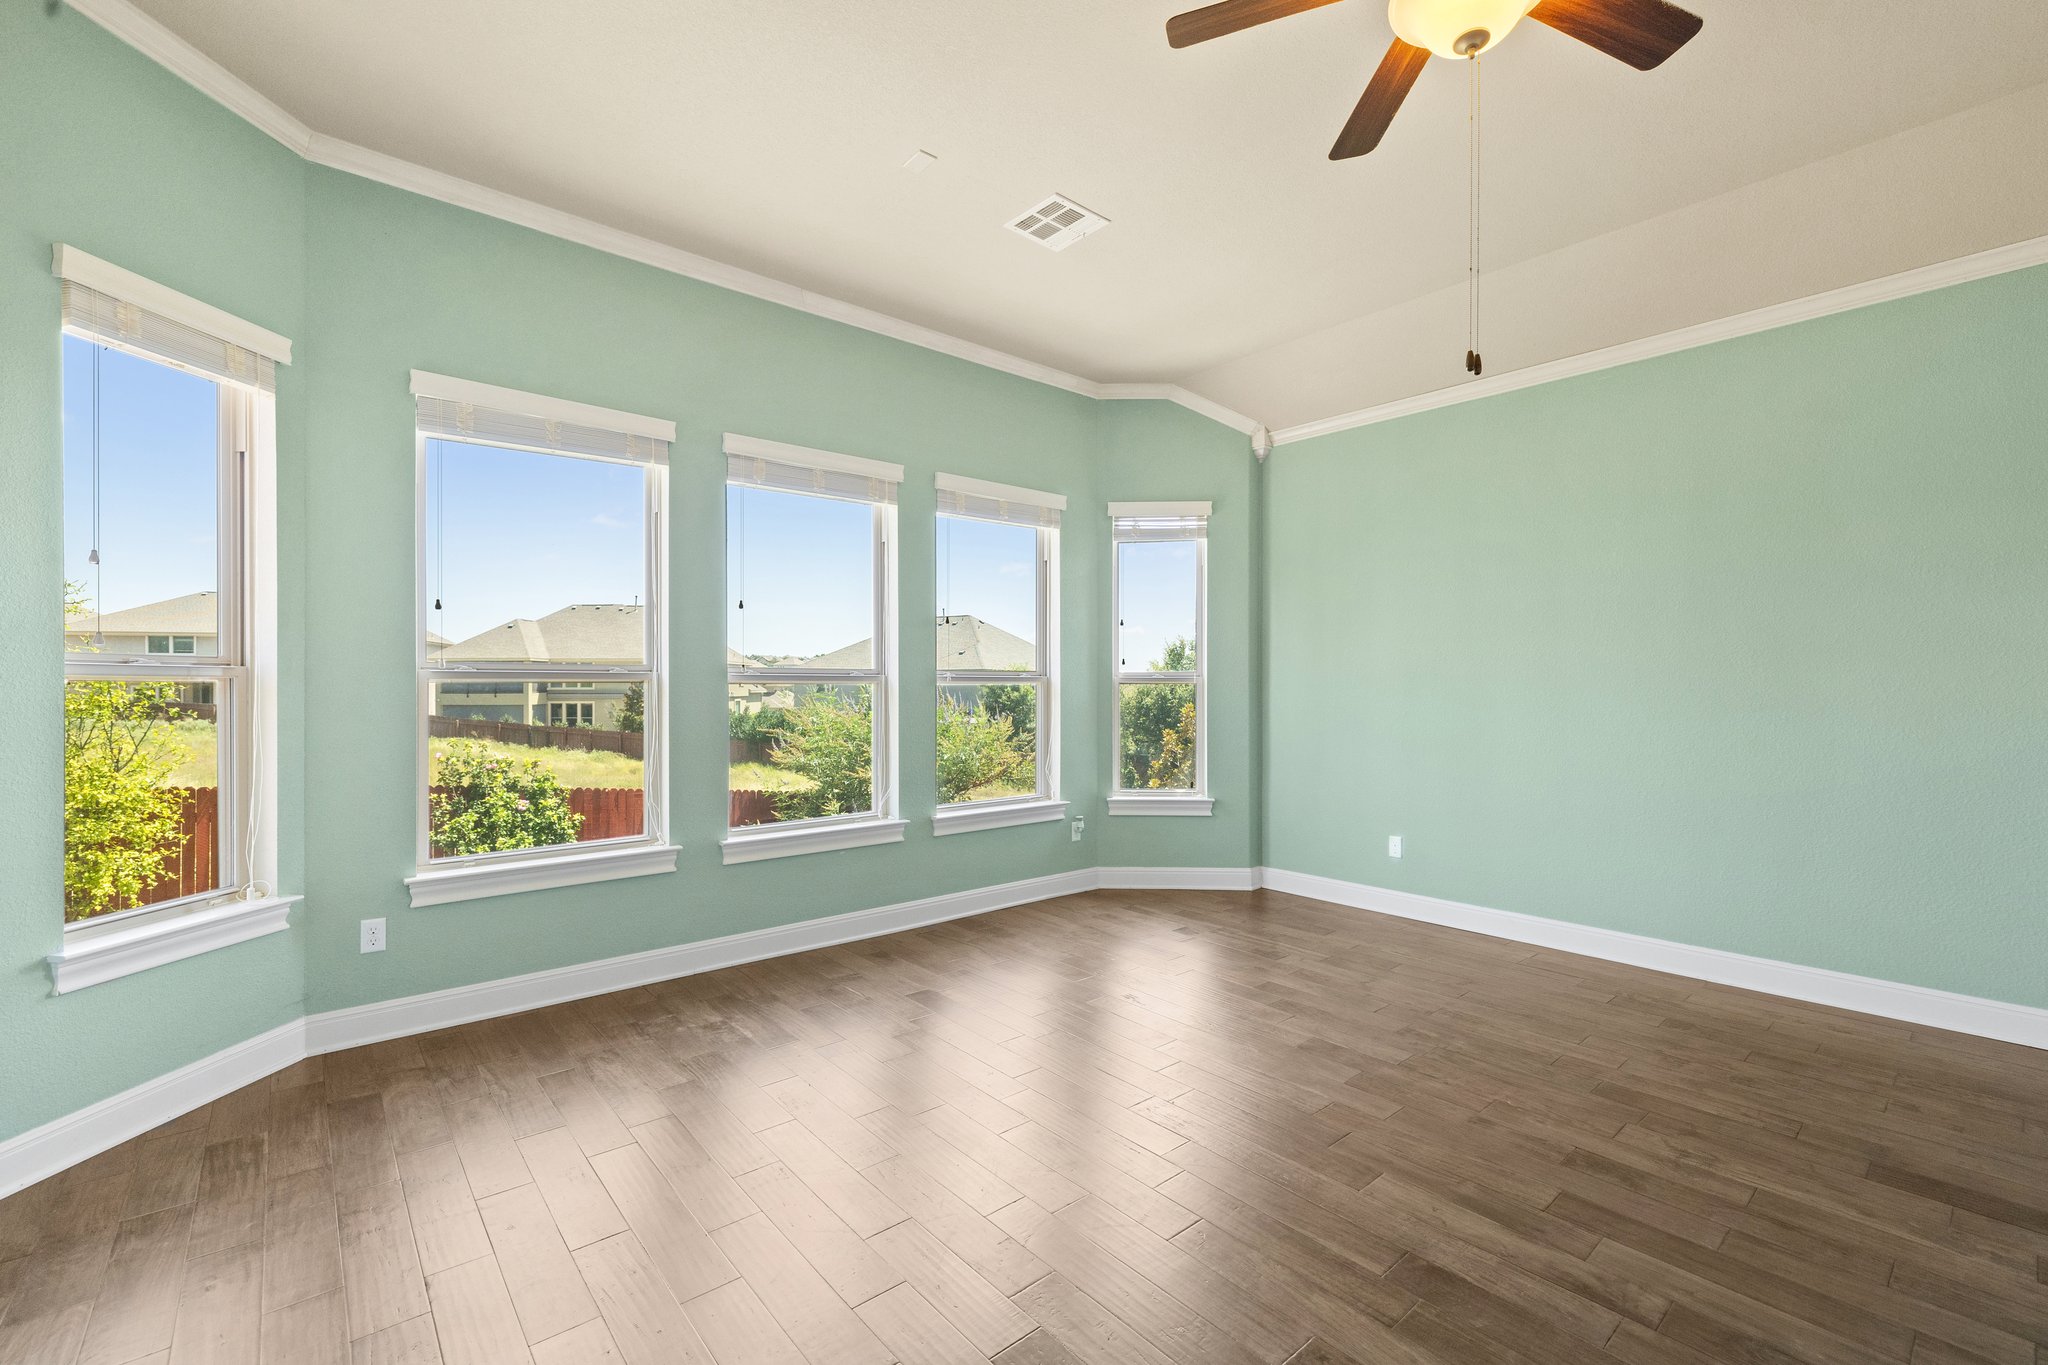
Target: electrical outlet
1393,845
1080,826
373,936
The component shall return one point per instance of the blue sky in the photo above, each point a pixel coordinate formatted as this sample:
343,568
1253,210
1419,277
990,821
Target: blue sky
1157,586
158,432
514,533
804,566
990,570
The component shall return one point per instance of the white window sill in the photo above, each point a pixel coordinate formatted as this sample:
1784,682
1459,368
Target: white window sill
95,953
474,881
996,815
1149,803
772,842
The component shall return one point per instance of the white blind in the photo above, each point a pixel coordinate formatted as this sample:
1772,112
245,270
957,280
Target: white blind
822,473
114,321
455,420
1158,527
961,497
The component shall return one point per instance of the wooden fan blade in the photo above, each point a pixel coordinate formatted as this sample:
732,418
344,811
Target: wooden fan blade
1640,32
1381,100
1213,21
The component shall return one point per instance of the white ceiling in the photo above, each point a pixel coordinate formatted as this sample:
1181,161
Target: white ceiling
769,134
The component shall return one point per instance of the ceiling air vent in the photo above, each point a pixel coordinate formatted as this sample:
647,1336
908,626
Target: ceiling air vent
1057,222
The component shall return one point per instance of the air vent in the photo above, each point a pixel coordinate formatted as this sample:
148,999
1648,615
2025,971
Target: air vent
1057,222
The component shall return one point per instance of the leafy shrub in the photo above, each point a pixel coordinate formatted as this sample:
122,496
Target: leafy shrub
485,801
981,747
758,727
830,740
1156,730
122,824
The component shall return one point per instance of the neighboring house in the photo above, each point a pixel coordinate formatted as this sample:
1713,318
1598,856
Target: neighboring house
586,633
183,628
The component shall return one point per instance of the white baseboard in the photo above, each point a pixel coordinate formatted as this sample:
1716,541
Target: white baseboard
2010,1023
87,1132
373,1023
1178,878
42,1152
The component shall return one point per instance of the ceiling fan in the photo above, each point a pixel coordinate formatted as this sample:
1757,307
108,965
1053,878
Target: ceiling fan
1640,32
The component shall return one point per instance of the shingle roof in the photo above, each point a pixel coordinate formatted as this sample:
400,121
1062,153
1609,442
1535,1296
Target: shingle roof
196,613
586,633
966,644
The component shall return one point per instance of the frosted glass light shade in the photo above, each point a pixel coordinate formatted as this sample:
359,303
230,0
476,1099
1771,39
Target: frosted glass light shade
1438,24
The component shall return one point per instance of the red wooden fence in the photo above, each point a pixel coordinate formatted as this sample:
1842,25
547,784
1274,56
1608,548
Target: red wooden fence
609,812
195,867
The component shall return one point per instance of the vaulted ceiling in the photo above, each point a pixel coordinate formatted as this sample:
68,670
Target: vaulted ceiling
770,134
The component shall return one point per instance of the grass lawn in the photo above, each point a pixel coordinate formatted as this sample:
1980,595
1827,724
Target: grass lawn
574,767
766,777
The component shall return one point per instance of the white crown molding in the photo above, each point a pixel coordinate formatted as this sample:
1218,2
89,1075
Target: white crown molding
1970,1014
1885,289
87,1132
1174,393
210,78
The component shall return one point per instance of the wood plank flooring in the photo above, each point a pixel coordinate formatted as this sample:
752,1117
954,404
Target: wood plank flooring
1125,1128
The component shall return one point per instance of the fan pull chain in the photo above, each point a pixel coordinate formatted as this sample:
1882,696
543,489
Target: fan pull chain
1472,361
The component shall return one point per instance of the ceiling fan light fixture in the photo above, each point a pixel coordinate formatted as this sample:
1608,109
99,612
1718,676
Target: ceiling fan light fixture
1456,29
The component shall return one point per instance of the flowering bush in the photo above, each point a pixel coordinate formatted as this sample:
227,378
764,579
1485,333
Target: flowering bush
485,801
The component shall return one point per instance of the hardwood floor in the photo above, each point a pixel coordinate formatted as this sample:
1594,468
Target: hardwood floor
1125,1128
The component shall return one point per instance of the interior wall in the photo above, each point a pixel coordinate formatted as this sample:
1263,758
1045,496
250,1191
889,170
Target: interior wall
371,282
1158,451
400,282
1741,647
109,152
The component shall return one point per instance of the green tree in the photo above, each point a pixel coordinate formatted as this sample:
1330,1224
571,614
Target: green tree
485,801
1156,726
980,747
633,710
122,824
830,740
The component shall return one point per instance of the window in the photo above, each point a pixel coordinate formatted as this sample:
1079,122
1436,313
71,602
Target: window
997,634
168,641
810,649
1159,573
540,641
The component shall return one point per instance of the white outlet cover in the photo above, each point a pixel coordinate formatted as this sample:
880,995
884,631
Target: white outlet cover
373,936
1393,845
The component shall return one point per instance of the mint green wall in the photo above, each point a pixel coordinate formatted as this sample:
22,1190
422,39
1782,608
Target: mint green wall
399,282
1743,647
370,283
1159,451
105,150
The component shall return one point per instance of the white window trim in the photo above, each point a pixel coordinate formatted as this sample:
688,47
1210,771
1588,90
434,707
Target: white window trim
956,817
69,263
98,953
437,881
107,947
962,817
788,839
784,839
1156,803
426,384
511,873
1150,802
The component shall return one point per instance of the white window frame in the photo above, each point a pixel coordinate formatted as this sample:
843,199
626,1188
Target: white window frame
242,671
882,825
439,881
1044,805
1122,800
